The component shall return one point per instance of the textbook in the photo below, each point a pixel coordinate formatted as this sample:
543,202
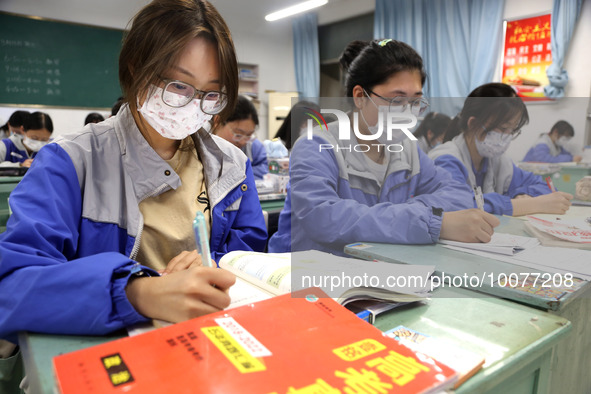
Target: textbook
568,232
466,363
305,342
264,275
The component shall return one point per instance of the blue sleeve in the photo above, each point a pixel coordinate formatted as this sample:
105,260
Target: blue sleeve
437,188
244,228
525,182
46,286
259,159
494,203
541,153
327,218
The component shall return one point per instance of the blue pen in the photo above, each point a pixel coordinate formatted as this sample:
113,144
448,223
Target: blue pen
202,239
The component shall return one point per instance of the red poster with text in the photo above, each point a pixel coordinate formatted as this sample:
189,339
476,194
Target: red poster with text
527,53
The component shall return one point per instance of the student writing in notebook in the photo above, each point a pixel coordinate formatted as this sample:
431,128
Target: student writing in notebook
550,147
477,138
37,129
343,195
97,203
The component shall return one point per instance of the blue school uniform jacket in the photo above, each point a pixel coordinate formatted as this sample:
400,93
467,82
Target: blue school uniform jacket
334,200
76,227
12,149
499,179
256,152
547,152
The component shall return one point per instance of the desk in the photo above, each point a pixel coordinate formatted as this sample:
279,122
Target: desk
7,185
517,340
567,178
571,356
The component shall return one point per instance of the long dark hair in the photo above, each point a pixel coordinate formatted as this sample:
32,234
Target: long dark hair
159,33
17,119
370,63
502,104
38,120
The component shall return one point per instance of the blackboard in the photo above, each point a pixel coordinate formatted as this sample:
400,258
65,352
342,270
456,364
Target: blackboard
52,63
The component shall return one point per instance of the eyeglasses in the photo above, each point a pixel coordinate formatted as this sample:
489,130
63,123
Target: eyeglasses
178,94
418,105
242,136
514,133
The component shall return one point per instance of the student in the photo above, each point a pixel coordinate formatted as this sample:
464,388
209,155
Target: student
296,118
37,129
343,196
478,137
93,117
103,210
431,131
239,129
550,146
15,125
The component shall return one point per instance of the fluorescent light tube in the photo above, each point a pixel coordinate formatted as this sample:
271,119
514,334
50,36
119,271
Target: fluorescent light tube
295,9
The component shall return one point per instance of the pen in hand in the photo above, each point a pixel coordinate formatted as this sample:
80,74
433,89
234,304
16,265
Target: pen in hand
550,184
18,155
202,239
479,198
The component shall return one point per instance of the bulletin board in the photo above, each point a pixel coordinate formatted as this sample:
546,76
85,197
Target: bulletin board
527,53
58,64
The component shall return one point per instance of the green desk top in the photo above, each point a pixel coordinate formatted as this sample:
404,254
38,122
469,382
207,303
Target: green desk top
454,263
509,335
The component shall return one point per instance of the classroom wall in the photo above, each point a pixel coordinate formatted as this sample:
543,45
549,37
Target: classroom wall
578,65
271,49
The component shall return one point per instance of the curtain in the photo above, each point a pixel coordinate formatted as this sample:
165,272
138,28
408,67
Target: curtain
306,54
459,40
564,17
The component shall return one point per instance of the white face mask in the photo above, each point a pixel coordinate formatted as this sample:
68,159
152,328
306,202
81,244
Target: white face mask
563,141
173,123
17,135
34,145
494,145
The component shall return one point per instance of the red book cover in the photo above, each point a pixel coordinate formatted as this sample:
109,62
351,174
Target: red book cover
299,343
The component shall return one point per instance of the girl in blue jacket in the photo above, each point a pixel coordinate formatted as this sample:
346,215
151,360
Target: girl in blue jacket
549,148
101,212
368,188
477,139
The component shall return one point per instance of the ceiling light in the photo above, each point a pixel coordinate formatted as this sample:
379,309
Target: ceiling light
295,9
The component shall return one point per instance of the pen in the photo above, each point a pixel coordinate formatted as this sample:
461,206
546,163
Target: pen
479,198
550,184
16,155
202,239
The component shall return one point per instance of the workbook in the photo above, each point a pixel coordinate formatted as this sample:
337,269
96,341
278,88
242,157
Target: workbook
302,342
465,362
567,232
264,275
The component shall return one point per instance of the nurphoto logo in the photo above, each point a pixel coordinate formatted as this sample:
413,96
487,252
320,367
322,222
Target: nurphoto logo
391,129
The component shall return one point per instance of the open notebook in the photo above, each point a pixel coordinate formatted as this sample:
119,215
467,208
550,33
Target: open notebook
500,243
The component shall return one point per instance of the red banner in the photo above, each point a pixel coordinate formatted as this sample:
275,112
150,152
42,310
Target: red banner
527,53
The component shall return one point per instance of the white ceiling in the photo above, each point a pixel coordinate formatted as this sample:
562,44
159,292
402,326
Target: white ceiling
241,15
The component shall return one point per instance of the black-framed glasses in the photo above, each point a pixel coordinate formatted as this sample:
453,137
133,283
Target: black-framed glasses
178,94
418,105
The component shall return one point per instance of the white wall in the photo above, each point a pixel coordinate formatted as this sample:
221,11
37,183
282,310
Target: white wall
578,66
